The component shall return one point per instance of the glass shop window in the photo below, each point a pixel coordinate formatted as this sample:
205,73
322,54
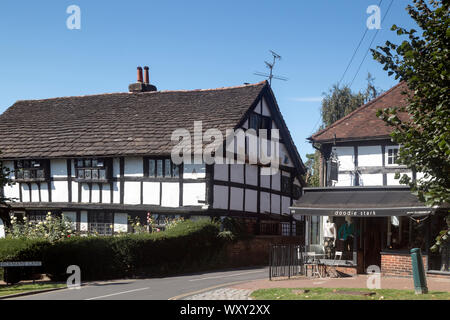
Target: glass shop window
91,169
405,233
30,170
159,168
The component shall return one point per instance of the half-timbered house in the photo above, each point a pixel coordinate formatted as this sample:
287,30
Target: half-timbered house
99,159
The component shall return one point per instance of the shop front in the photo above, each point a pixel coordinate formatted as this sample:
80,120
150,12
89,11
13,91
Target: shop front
372,226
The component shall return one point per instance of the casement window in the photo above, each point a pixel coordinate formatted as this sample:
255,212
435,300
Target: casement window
31,170
391,155
101,223
162,168
92,169
194,171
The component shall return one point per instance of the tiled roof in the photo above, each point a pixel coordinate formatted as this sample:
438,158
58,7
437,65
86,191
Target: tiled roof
363,123
118,123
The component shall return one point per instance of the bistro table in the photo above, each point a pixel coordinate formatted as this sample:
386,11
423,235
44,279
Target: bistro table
315,261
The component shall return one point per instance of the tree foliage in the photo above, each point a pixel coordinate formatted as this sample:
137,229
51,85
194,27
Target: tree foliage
422,61
337,103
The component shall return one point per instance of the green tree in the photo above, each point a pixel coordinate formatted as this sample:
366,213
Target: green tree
337,103
341,100
312,166
422,61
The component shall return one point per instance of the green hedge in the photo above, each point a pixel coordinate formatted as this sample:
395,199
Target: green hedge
189,246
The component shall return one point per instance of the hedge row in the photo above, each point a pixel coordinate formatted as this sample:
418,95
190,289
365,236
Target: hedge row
189,246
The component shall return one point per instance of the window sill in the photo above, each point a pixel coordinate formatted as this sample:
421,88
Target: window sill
30,180
91,180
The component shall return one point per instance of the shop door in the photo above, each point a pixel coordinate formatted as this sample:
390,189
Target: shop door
372,241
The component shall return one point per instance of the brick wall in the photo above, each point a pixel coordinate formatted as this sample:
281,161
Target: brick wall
255,251
398,264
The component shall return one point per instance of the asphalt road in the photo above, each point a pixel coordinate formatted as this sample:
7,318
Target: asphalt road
177,287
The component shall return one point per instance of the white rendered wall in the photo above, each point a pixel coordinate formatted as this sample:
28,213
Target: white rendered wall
221,172
170,194
25,193
367,179
44,192
84,192
74,191
95,193
370,156
193,193
346,158
106,193
251,200
220,197
237,173
237,199
265,202
345,180
34,192
276,203
132,194
60,191
151,193
285,204
251,174
116,192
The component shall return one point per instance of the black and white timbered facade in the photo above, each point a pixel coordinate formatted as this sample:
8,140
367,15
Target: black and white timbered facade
101,158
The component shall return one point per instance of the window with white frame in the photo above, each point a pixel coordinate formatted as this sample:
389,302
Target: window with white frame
391,155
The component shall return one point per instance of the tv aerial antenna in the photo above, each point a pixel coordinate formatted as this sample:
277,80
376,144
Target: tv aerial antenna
270,66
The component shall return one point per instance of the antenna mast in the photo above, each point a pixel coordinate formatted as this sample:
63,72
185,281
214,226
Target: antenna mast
270,66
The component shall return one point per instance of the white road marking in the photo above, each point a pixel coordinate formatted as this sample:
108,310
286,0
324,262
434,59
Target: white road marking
115,294
227,276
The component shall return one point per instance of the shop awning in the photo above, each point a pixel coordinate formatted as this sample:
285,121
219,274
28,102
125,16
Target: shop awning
359,202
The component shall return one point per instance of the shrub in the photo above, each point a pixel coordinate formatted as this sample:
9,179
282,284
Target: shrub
187,246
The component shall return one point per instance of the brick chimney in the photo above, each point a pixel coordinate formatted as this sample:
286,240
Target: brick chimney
142,85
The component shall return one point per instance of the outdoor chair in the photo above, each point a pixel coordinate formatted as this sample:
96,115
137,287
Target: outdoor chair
332,267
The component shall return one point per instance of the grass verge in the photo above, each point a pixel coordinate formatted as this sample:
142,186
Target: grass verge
345,294
21,288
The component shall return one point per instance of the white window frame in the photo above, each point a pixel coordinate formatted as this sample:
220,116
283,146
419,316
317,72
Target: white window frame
387,156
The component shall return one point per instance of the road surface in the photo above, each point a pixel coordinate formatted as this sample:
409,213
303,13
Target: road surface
177,287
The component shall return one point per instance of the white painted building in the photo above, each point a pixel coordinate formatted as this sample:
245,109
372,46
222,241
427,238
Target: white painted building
99,159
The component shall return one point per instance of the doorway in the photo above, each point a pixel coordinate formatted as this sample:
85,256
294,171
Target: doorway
372,236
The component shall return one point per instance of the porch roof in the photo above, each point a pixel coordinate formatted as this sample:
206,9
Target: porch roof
359,202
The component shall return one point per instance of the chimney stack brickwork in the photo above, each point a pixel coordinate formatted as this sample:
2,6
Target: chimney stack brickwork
142,85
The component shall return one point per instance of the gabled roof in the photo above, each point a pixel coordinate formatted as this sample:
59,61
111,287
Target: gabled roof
362,123
126,124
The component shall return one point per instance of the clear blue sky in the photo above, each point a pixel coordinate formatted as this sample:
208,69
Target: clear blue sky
190,45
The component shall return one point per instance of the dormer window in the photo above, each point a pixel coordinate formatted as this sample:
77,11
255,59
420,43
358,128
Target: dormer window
91,169
31,170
